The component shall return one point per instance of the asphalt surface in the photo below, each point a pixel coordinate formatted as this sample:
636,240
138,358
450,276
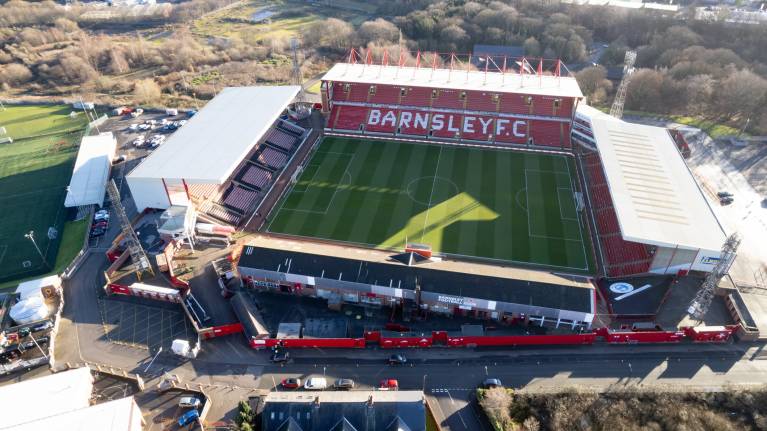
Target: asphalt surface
228,371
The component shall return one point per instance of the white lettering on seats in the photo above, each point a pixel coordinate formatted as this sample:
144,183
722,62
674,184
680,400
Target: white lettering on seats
375,117
517,125
437,121
450,127
390,117
500,126
468,124
421,121
485,124
404,119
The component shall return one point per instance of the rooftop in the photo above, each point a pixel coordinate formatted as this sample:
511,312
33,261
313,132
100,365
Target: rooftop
463,279
655,196
211,145
408,76
91,171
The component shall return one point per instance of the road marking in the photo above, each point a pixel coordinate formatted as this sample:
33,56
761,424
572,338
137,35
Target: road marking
452,401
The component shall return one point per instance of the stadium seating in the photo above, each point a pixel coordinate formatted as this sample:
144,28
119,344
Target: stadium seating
389,127
607,222
339,92
358,92
448,99
416,96
513,103
291,128
350,118
272,158
546,133
239,198
255,176
481,101
282,139
221,213
477,134
386,95
449,134
600,197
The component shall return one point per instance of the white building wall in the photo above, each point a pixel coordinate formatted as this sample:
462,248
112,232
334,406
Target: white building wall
148,193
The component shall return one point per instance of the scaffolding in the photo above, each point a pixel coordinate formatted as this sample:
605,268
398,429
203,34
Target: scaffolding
138,256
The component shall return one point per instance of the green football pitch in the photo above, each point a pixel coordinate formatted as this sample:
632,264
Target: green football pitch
34,172
497,204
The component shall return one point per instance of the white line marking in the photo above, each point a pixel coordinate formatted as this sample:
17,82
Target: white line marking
431,195
580,230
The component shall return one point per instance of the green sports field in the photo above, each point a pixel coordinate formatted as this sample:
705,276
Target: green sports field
497,204
34,172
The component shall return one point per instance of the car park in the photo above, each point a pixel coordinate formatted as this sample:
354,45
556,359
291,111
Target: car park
188,417
139,141
189,402
397,360
133,127
291,383
344,384
492,383
388,385
144,127
316,384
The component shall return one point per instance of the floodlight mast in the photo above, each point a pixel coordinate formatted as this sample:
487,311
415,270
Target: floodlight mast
702,301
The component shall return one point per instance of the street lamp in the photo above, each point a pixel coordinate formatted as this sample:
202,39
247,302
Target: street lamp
31,237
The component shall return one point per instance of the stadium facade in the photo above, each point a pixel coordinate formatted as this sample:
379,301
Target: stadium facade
643,211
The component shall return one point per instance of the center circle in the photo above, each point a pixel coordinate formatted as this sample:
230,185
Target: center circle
429,190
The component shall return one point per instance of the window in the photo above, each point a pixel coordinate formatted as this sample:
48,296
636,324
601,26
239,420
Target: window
347,88
372,90
463,95
557,102
495,98
402,91
434,93
529,100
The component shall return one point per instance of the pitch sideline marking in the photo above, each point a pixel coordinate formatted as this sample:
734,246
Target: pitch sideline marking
580,230
431,195
559,200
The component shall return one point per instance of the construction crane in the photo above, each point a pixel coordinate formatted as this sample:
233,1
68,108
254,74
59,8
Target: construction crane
702,301
140,260
620,96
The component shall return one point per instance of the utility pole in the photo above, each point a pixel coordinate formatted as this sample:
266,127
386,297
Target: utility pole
31,237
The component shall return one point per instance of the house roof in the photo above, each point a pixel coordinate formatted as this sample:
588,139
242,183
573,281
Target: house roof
344,411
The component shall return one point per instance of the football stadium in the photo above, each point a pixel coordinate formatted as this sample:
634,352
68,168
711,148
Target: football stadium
441,188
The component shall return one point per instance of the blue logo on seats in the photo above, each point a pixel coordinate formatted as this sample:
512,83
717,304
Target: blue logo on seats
621,287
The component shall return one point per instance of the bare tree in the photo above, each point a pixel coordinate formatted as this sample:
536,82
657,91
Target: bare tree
497,403
146,91
332,33
14,73
379,30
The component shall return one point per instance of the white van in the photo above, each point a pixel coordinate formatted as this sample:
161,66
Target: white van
316,384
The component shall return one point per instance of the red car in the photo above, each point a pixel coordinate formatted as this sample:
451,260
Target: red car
389,385
291,383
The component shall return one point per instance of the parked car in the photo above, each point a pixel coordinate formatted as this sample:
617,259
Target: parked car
344,384
41,341
96,232
170,127
136,112
726,201
291,383
189,402
42,326
101,215
280,356
171,112
139,141
388,385
724,194
397,360
133,127
102,224
492,383
316,384
191,113
188,417
144,127
181,123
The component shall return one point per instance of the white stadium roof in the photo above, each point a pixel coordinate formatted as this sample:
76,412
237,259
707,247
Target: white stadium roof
211,145
655,196
91,172
512,82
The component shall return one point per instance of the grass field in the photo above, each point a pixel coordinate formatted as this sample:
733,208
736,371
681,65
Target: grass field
497,204
34,173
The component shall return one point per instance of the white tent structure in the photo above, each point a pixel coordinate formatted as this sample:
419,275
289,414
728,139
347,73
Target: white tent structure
34,287
62,401
208,149
91,172
30,309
